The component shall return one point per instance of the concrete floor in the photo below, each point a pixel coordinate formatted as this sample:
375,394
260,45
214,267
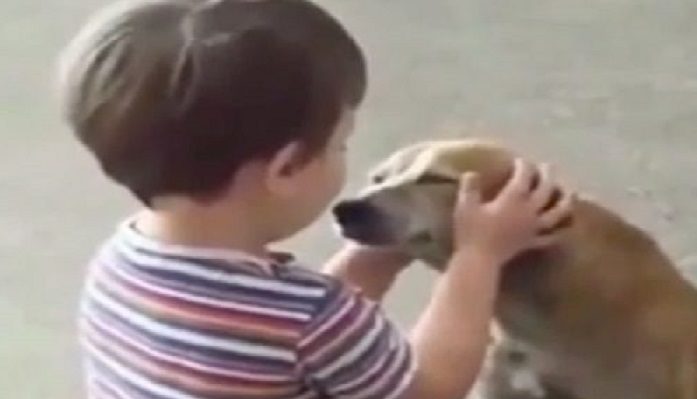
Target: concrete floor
605,89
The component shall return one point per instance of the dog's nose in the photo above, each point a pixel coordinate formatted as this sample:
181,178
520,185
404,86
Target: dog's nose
356,211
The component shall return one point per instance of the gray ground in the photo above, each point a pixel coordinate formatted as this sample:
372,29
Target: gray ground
606,89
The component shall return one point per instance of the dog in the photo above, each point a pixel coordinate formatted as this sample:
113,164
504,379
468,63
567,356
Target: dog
602,314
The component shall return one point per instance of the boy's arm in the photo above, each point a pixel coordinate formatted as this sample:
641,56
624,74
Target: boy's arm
371,270
349,349
450,338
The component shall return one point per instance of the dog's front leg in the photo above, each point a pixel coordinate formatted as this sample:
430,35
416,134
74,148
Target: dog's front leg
508,374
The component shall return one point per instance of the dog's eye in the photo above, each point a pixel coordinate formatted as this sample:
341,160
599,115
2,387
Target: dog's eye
434,178
377,179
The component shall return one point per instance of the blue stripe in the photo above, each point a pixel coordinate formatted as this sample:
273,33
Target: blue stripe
105,373
178,348
218,291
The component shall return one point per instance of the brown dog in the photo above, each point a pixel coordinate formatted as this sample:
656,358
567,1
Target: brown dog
602,315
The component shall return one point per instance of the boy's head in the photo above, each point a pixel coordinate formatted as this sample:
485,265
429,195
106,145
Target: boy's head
175,97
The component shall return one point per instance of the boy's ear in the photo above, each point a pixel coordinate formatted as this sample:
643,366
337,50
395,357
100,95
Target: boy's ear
284,164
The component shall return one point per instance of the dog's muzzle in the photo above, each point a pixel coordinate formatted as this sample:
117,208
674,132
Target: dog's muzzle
363,222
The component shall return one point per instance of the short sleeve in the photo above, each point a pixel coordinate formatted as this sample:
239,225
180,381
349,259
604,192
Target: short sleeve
351,350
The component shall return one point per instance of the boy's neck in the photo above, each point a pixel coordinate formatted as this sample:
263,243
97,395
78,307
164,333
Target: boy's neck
189,224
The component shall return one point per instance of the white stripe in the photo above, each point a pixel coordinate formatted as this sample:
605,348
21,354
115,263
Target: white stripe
135,379
253,310
99,392
331,322
404,383
190,337
380,384
246,281
181,361
399,344
343,335
101,380
377,367
356,351
128,230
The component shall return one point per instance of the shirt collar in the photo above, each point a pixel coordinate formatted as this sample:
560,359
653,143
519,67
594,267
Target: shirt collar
129,233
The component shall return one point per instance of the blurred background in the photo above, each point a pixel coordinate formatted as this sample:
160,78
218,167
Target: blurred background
604,89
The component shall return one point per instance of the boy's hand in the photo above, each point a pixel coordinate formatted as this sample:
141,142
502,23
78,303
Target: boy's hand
370,269
515,220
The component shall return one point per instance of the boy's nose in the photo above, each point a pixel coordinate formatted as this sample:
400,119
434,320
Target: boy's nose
353,212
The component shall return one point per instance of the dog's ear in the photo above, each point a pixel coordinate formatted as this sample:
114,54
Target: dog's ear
491,161
398,162
448,160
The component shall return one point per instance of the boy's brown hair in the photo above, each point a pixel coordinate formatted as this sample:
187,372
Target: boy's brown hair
172,96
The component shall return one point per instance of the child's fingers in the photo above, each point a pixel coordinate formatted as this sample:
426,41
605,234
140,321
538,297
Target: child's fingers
542,194
519,184
559,212
470,189
544,240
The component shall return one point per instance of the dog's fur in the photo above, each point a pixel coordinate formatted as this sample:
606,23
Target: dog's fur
602,315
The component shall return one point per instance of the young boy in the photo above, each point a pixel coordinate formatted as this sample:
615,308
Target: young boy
228,120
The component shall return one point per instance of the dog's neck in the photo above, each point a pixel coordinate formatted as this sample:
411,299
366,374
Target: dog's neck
435,256
526,297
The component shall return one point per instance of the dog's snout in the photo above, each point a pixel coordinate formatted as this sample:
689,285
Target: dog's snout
356,211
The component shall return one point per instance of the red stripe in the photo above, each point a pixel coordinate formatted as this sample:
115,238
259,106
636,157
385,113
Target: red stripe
335,349
198,316
175,372
373,379
208,309
340,325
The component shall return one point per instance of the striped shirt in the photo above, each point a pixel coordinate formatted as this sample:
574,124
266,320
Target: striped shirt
170,322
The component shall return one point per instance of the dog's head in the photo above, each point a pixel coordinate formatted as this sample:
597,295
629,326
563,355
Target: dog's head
410,198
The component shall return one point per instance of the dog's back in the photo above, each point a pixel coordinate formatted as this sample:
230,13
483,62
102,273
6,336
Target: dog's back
607,313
